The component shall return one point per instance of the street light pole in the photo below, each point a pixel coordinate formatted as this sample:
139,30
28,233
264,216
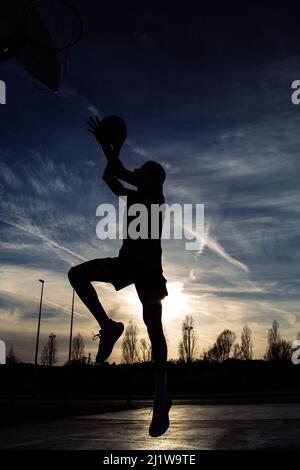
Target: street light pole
71,329
39,324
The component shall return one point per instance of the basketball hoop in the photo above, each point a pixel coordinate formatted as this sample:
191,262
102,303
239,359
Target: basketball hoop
36,32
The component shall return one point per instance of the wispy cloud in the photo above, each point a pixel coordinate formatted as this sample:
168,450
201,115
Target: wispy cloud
95,111
211,243
36,232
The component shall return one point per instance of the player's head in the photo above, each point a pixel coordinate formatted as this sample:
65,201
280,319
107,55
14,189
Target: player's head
153,170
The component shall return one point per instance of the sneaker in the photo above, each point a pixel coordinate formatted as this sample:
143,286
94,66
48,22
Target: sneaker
160,420
108,336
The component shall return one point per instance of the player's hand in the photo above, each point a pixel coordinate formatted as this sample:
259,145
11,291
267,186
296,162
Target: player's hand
111,152
94,127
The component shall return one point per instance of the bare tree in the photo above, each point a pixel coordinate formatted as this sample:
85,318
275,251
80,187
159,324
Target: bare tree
130,344
49,352
237,351
221,350
187,346
212,354
78,346
11,358
225,343
145,350
277,348
244,350
246,344
285,350
45,357
273,335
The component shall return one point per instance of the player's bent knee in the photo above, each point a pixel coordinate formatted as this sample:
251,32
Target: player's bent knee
73,274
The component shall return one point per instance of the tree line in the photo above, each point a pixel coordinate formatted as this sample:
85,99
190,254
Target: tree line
136,349
225,346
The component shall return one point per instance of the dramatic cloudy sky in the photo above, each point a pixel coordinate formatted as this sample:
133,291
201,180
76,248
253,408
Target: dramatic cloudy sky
207,92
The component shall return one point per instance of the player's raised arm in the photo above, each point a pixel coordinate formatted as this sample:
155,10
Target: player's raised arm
113,183
140,177
122,173
111,133
111,151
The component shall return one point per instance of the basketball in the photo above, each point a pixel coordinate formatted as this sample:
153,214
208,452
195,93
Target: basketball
114,130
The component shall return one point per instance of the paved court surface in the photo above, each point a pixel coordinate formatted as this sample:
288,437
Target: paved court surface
194,427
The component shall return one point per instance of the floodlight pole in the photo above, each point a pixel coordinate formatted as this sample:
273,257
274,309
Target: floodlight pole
189,328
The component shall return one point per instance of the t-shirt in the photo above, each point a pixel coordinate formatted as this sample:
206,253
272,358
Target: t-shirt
144,252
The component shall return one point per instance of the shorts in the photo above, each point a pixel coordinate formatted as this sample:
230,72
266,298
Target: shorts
121,272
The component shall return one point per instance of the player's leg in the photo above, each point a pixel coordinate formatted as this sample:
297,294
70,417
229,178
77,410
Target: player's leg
152,316
81,278
152,313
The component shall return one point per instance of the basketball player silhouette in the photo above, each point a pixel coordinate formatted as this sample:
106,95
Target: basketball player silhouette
138,263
